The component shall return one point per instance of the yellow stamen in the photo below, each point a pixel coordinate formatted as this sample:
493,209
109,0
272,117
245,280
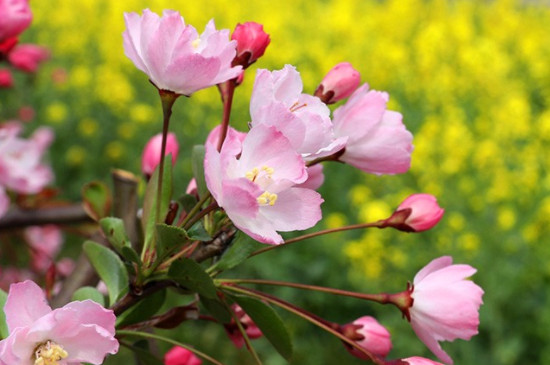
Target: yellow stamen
252,174
196,43
267,198
49,353
268,170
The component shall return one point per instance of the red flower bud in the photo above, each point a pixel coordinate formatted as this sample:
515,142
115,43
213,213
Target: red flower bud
417,213
251,43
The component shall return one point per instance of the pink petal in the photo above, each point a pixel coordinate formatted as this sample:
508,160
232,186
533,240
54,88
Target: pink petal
26,303
295,209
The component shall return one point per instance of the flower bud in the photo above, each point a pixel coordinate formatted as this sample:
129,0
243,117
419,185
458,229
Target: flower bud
151,153
417,360
251,43
181,356
252,331
339,83
370,335
417,213
6,79
27,57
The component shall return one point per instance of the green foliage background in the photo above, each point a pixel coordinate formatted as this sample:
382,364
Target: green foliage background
471,78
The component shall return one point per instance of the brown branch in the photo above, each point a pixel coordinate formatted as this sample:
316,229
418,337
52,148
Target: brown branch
66,214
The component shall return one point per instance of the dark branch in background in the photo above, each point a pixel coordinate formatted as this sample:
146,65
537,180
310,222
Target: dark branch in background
66,214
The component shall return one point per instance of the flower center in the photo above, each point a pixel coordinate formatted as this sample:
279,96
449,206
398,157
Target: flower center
265,171
267,198
49,353
196,43
296,106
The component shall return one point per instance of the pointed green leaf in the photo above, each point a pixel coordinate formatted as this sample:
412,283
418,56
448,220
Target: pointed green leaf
197,161
143,354
144,310
114,231
187,202
269,322
149,219
217,309
96,200
89,292
131,255
240,250
191,275
3,325
109,267
198,233
169,237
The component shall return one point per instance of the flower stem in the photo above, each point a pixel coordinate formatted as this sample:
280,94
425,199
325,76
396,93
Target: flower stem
170,341
227,90
377,224
323,324
246,338
195,209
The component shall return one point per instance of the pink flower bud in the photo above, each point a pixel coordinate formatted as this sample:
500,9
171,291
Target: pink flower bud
27,57
339,83
252,331
7,45
151,153
181,356
417,213
16,17
370,335
417,360
251,43
6,78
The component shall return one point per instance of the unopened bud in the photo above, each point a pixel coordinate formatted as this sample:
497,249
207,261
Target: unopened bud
151,153
370,335
417,213
339,83
251,43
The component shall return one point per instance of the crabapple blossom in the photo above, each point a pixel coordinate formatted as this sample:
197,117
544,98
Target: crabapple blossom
27,57
339,83
315,177
370,335
45,242
252,331
21,169
417,213
6,78
78,332
378,142
251,43
151,153
174,56
15,16
255,182
277,100
445,304
181,356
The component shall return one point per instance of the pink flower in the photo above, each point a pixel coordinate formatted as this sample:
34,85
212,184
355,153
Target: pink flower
315,177
16,16
181,356
251,43
21,169
277,100
174,56
27,57
151,153
252,331
417,213
254,181
6,78
445,304
339,83
45,242
378,141
370,335
416,360
78,332
4,201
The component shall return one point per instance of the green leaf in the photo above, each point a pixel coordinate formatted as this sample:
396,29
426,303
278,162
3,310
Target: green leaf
269,322
191,275
114,231
197,163
169,237
89,292
143,354
240,250
188,201
198,233
109,267
3,325
149,219
144,310
96,200
131,255
217,309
